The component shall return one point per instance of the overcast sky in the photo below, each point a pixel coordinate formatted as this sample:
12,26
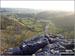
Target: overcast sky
43,5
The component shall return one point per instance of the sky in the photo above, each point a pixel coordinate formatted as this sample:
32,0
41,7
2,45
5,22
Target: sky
43,5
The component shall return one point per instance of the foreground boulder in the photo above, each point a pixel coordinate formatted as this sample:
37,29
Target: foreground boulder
28,47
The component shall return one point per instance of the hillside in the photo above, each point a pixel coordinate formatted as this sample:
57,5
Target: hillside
10,29
12,32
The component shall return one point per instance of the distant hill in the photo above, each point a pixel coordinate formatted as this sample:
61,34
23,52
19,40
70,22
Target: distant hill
60,18
52,14
18,10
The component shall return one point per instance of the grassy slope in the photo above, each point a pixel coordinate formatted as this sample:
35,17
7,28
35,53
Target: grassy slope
13,32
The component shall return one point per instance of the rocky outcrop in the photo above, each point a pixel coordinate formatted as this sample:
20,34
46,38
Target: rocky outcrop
44,45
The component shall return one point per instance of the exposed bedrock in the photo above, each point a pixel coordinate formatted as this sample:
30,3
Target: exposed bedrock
46,44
